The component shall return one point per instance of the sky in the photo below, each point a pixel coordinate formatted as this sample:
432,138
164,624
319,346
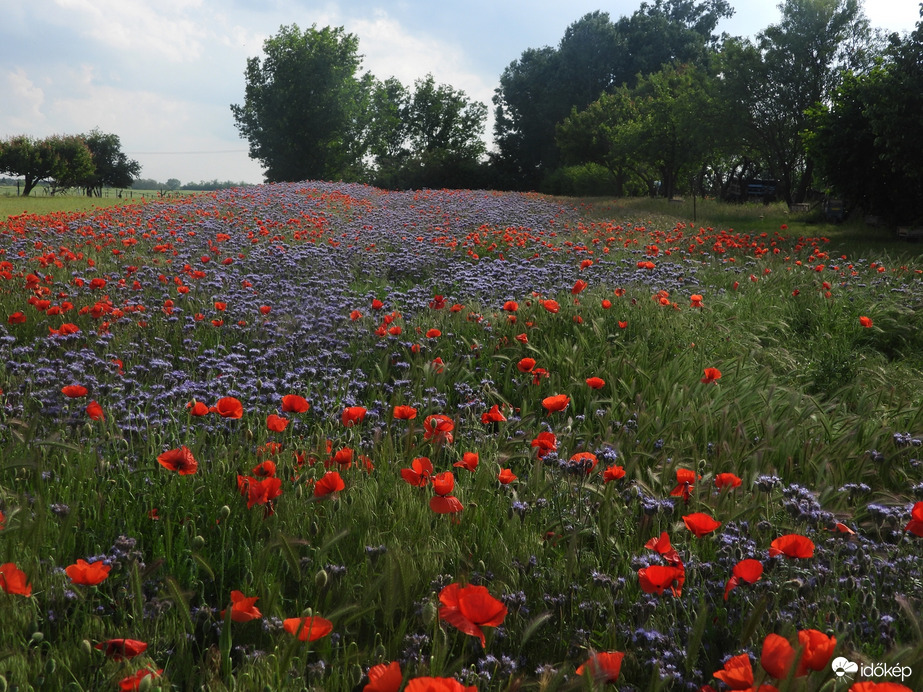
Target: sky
163,74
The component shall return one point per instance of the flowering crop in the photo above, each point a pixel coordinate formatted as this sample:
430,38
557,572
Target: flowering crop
665,472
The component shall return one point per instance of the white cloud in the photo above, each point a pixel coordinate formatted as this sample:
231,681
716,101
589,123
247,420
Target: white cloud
21,106
170,29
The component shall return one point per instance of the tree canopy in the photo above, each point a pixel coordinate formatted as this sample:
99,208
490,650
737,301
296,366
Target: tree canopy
65,161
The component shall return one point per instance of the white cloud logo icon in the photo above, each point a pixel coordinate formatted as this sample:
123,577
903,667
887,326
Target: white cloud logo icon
841,666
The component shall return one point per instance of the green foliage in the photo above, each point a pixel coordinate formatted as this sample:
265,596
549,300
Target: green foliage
112,168
303,105
868,143
792,66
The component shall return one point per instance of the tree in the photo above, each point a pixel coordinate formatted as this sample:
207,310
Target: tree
794,65
112,167
430,138
867,142
305,110
72,162
595,56
63,160
665,128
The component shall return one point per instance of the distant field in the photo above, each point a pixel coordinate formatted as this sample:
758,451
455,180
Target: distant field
40,203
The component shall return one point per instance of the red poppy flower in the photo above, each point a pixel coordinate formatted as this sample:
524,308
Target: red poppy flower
88,573
259,491
551,306
330,482
74,391
746,571
438,428
696,300
308,629
777,656
727,480
700,523
445,504
469,461
578,286
915,525
737,673
468,608
243,608
3,519
229,407
603,667
606,303
428,684
866,321
538,374
377,304
385,677
613,473
16,318
265,469
816,650
197,408
792,545
492,416
276,423
404,412
685,481
868,686
122,649
711,375
511,306
419,473
343,457
13,580
545,442
292,403
659,578
95,411
133,682
506,476
558,402
179,460
584,460
526,365
595,382
352,415
443,483
355,315
623,324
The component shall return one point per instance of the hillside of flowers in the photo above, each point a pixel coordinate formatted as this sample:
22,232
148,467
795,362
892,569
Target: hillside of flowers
318,436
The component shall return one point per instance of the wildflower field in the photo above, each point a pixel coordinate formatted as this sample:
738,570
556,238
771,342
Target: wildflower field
321,436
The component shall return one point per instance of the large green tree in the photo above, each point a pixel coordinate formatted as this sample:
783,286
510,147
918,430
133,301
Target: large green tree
112,167
431,137
792,66
663,129
305,110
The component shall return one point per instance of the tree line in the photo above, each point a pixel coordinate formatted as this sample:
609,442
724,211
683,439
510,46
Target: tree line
652,103
89,162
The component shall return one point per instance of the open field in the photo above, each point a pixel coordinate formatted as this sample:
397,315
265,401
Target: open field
40,203
306,433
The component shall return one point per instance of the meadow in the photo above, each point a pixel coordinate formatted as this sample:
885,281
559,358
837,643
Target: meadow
318,436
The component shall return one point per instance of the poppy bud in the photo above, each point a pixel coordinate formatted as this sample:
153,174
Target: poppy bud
198,542
85,646
37,638
2,684
50,666
321,579
146,683
429,612
224,513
